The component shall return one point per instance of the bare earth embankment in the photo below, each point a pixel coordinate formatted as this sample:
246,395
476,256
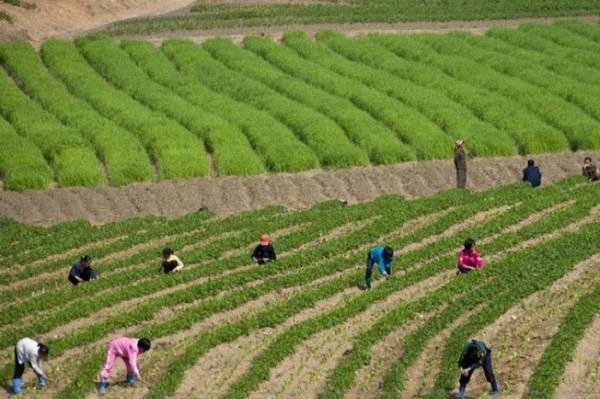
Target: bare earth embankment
232,194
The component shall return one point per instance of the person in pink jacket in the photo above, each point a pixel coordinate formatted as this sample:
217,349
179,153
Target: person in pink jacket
469,258
127,349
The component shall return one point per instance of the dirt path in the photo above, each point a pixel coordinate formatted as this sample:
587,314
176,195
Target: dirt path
294,191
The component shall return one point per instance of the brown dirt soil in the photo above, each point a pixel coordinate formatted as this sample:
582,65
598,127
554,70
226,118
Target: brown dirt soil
411,180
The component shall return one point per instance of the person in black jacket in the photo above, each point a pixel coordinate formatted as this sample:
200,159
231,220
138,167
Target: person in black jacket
476,354
264,251
532,174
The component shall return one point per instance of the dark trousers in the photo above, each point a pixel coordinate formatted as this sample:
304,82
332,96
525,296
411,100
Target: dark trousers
461,178
487,369
86,275
369,271
19,368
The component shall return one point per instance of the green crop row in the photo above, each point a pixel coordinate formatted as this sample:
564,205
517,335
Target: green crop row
579,127
276,144
70,156
229,147
176,151
22,164
208,15
407,123
380,143
522,128
323,136
124,157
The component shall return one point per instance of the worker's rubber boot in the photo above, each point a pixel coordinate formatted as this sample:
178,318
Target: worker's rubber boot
461,390
41,382
131,379
367,283
16,385
102,386
495,390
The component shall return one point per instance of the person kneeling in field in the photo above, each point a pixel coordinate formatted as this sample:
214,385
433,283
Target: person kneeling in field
469,258
82,271
383,257
589,170
475,354
264,251
32,352
170,262
127,349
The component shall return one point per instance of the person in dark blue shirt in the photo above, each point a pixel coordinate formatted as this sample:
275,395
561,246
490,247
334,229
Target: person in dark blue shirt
476,354
82,271
532,174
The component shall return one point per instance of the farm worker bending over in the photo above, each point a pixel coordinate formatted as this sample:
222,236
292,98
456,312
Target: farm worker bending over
127,349
82,271
264,251
469,258
170,262
532,174
475,354
460,163
32,352
383,257
589,170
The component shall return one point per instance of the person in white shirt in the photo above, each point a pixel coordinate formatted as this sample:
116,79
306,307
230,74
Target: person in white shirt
32,352
169,261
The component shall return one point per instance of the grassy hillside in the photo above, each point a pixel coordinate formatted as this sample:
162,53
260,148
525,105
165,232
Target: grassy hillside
223,327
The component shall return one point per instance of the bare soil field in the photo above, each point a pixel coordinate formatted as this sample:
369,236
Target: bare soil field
233,194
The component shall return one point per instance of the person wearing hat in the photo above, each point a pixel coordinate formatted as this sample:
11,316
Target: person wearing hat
383,257
475,354
170,262
82,271
127,349
460,162
264,251
32,352
532,174
469,258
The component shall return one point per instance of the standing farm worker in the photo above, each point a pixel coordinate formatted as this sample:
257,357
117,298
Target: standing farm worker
532,174
475,354
264,251
127,349
383,257
469,258
460,163
589,170
32,352
169,261
82,271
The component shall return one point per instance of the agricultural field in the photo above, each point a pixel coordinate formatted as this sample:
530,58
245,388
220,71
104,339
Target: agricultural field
300,327
97,112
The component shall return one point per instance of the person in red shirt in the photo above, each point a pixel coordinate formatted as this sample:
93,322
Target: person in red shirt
469,258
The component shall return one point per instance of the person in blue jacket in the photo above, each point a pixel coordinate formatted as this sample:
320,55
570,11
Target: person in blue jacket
532,174
383,257
475,354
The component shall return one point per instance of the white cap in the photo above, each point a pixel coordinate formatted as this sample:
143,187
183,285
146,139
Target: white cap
459,142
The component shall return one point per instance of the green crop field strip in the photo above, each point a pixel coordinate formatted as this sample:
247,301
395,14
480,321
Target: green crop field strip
300,326
95,112
242,14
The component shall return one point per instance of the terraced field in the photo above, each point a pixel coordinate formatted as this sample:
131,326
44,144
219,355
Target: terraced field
95,112
300,327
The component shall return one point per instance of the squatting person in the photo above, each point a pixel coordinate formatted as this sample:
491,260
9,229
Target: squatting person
264,251
82,271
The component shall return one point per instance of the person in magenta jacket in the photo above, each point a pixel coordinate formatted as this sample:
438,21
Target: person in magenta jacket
383,257
469,258
127,349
